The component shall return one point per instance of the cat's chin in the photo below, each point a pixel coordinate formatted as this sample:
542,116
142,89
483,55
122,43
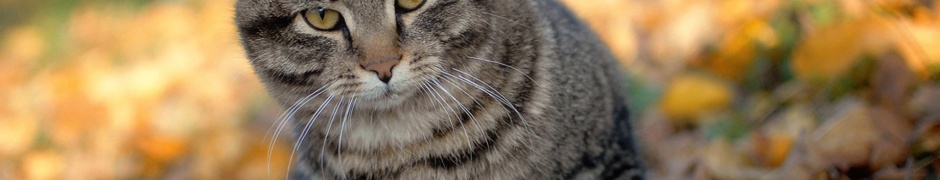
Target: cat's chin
383,99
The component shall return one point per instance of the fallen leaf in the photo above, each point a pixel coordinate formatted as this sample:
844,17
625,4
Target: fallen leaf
894,138
832,51
845,138
891,172
737,49
774,141
923,102
800,163
722,159
771,149
860,135
893,81
693,95
928,137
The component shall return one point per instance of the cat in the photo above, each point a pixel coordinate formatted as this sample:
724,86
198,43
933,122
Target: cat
440,89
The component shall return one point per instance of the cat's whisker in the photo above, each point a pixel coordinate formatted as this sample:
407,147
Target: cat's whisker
494,93
499,98
472,118
343,127
506,65
440,86
448,108
284,119
303,135
329,128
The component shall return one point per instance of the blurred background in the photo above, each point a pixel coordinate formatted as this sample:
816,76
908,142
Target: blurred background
721,89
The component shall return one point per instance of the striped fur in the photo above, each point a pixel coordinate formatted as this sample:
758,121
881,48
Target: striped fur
485,89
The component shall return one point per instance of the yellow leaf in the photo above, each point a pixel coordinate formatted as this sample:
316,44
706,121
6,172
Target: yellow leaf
693,95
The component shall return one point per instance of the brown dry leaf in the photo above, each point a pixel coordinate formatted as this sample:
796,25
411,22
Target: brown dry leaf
845,138
723,160
928,137
718,158
677,156
860,135
830,52
774,141
892,81
891,172
671,154
923,103
692,95
894,142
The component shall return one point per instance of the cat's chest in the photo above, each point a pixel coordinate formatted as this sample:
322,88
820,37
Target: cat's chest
431,129
371,130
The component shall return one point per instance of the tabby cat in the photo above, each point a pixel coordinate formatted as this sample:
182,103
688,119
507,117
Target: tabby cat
440,89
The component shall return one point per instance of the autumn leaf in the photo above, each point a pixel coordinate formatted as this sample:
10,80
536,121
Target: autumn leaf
830,52
693,95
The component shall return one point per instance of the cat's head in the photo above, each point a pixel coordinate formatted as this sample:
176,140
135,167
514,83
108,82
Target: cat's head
377,51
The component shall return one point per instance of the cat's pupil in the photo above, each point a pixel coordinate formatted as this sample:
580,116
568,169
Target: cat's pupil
322,12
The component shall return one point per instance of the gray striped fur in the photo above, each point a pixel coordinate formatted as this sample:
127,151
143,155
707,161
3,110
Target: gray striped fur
485,89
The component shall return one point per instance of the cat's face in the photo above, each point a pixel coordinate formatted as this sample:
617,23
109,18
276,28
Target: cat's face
376,51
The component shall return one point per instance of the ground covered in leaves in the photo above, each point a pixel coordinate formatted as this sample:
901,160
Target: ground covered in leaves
721,89
807,89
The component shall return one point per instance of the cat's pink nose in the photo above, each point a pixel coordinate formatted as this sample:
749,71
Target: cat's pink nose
383,69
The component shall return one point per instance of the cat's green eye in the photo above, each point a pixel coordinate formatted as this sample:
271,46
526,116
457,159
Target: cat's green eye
323,19
409,5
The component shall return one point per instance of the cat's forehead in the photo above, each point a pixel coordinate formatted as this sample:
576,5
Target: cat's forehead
343,2
360,6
